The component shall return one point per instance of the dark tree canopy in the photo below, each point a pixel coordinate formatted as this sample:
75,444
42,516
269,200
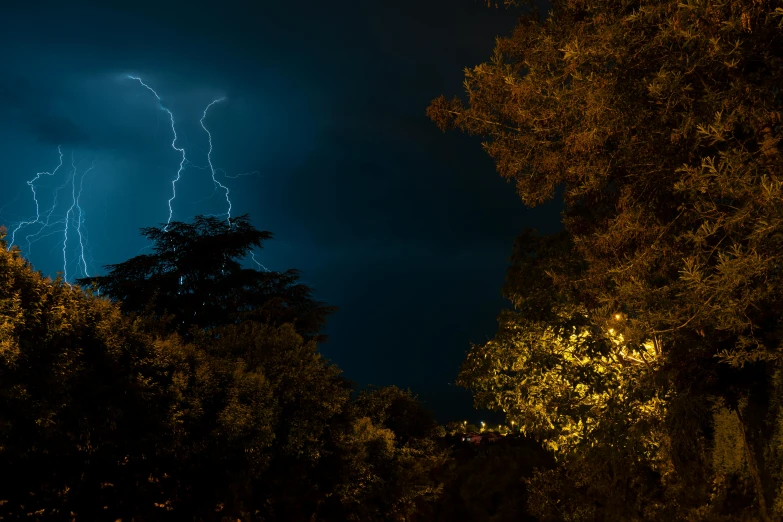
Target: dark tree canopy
85,417
109,417
195,278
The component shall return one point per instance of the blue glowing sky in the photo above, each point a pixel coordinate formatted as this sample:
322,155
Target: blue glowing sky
321,137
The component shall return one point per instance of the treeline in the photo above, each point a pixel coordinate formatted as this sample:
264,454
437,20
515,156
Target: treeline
197,392
182,386
644,347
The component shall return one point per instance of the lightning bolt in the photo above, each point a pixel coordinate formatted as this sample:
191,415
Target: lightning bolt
82,219
47,226
173,146
51,222
68,218
253,256
213,171
31,238
215,182
31,183
75,204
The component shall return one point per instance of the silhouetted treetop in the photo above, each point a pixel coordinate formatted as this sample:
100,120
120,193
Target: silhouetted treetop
195,278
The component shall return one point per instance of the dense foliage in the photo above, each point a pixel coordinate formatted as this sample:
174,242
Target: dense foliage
645,342
83,406
109,416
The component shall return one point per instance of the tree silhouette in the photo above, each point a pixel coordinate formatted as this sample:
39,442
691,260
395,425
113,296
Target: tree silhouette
195,278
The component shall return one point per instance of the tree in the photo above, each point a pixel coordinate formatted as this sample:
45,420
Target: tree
83,401
310,398
583,392
104,420
487,481
389,452
257,399
263,425
195,279
661,121
106,415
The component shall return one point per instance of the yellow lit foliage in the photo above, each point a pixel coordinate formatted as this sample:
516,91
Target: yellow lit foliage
564,389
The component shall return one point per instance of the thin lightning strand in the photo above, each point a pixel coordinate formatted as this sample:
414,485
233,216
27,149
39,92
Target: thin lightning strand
30,238
225,175
68,218
209,157
31,183
173,146
79,221
43,218
253,256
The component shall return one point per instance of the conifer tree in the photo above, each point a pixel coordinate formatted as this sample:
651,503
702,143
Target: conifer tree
194,278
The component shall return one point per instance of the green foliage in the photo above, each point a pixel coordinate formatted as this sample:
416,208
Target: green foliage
662,300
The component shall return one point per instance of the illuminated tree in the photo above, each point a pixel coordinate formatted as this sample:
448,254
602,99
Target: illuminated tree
661,122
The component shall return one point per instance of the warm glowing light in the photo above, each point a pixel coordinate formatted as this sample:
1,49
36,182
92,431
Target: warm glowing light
618,316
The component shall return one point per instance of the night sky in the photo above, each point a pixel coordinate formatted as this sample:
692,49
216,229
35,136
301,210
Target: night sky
407,230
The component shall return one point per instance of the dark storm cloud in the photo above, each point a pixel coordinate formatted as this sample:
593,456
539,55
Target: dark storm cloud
12,93
406,229
433,191
58,130
27,105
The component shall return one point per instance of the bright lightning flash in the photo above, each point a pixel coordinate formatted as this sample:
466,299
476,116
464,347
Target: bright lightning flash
47,227
75,204
31,183
209,157
173,146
